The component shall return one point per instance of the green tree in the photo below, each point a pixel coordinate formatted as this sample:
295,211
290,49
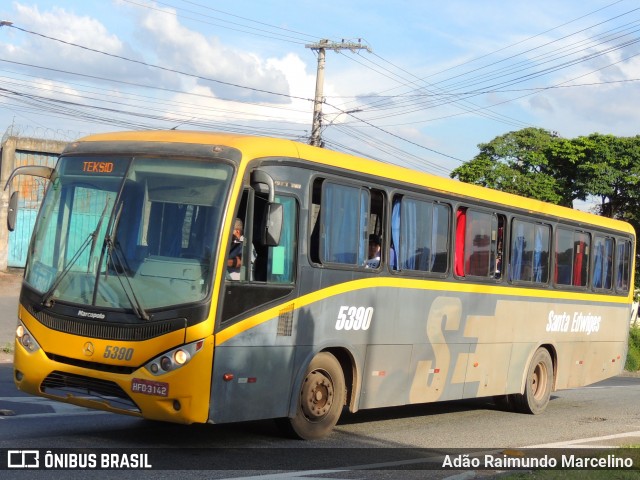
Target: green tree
611,172
532,162
539,164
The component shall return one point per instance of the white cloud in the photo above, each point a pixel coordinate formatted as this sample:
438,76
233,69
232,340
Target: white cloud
59,56
604,104
179,48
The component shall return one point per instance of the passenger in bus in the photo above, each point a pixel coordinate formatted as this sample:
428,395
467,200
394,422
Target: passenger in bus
234,260
374,252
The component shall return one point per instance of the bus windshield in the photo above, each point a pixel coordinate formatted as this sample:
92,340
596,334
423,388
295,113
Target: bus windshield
128,233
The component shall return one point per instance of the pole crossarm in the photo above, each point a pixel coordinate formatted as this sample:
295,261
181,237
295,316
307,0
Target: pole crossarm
336,46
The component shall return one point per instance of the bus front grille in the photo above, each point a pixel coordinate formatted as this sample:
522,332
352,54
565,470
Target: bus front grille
107,331
61,384
103,367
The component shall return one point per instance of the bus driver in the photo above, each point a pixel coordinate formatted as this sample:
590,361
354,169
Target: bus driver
234,260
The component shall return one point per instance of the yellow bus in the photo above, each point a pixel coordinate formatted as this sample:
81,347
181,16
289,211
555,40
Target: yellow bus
202,277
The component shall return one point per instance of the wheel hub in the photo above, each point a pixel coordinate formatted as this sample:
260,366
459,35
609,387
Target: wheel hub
317,396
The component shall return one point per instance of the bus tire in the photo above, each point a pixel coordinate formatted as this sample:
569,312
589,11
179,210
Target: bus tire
320,400
503,402
538,386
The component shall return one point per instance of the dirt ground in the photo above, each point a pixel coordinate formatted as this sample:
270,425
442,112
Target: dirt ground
10,281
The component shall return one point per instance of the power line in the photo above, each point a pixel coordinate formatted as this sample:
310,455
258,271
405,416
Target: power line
166,69
146,86
226,23
205,78
425,95
415,144
448,97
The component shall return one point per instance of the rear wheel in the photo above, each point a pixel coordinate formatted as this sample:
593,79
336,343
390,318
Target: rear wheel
504,402
539,384
320,400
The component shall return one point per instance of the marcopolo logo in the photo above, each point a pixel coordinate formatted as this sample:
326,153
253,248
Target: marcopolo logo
23,459
82,313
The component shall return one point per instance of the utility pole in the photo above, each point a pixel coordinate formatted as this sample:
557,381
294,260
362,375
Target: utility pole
321,47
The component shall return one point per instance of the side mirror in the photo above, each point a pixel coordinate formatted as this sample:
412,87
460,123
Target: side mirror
13,211
33,170
270,228
273,228
262,182
268,224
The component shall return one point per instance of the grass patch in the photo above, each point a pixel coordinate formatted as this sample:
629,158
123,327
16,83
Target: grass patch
632,363
7,348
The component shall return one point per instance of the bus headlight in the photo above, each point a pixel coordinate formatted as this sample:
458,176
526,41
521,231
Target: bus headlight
173,359
25,338
166,364
181,357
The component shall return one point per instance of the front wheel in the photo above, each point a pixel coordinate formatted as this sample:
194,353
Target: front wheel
539,384
320,400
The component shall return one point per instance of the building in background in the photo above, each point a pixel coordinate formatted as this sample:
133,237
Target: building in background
18,150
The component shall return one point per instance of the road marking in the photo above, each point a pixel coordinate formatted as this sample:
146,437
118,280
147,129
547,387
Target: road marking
305,474
607,387
579,442
59,408
77,413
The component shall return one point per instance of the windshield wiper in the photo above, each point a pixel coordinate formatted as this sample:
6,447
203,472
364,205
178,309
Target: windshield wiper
118,262
95,233
93,238
48,296
113,255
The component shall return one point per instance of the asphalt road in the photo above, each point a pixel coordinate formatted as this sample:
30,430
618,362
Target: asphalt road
387,443
376,444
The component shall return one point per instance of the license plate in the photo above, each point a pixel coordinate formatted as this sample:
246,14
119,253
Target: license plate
149,387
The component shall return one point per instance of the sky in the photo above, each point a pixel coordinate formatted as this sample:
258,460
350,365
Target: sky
428,83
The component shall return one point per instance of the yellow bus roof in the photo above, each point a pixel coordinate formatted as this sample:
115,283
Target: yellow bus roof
256,147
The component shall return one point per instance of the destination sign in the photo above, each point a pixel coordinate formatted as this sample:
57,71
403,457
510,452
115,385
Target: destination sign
95,166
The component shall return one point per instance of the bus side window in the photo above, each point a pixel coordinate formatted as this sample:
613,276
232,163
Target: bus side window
477,244
271,264
420,234
623,261
602,263
340,216
581,263
572,257
376,238
277,264
529,252
344,220
482,240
